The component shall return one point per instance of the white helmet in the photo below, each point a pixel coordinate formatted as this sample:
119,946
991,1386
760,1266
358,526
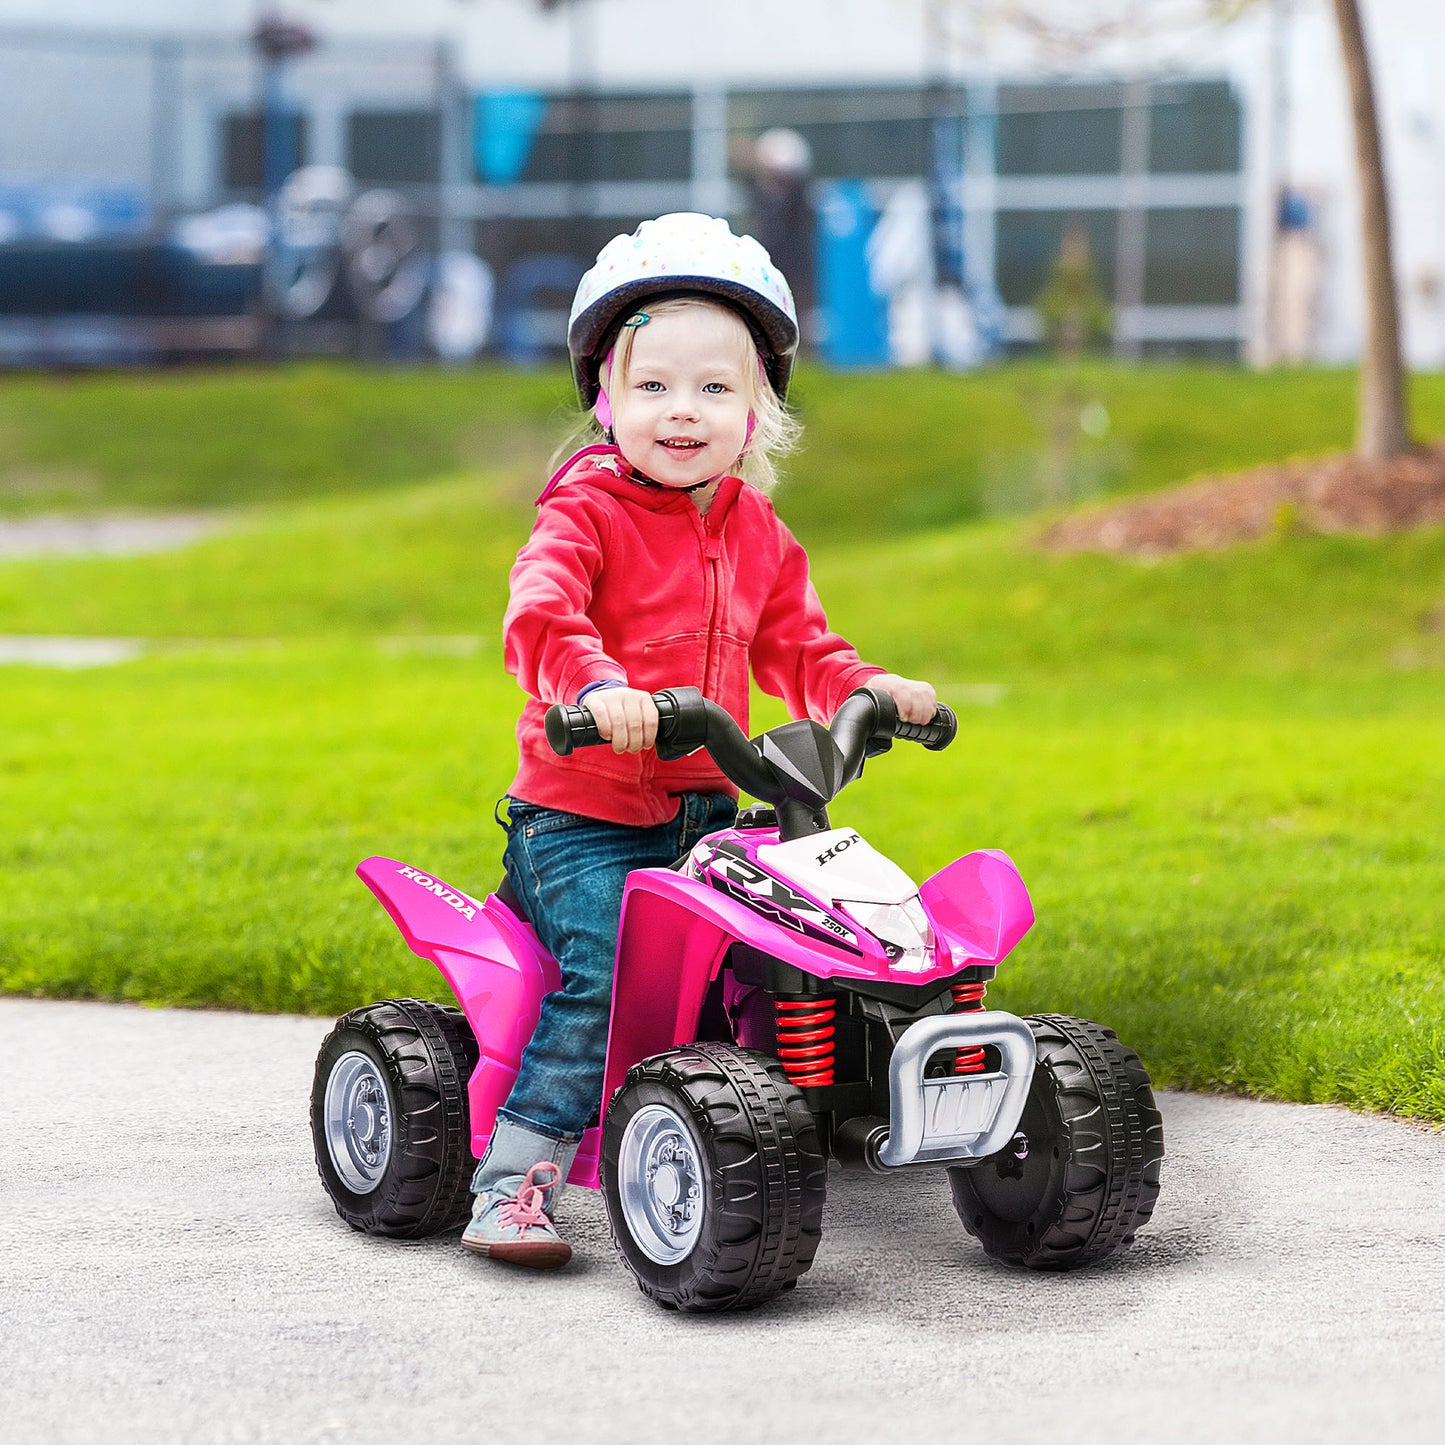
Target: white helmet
675,255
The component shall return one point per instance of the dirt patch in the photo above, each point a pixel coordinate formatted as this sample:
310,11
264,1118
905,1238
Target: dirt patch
1331,494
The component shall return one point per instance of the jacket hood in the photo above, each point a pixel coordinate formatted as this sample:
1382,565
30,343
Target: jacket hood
604,467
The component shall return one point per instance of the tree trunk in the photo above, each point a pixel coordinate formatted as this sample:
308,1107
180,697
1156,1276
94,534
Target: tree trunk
1384,429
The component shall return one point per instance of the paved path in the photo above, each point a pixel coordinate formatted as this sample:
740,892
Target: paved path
103,534
171,1271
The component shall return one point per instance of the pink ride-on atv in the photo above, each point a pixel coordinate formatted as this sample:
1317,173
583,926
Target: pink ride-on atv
784,995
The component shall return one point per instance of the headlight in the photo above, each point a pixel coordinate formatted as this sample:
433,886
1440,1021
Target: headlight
902,928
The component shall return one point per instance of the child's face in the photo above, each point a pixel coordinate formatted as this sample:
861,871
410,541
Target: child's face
683,416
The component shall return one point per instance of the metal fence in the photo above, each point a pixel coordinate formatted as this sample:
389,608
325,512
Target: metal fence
109,137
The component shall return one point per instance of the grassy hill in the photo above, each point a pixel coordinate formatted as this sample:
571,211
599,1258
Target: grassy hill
883,454
1220,775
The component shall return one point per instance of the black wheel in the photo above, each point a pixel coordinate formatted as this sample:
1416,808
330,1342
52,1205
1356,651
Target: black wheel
389,1117
713,1177
1082,1174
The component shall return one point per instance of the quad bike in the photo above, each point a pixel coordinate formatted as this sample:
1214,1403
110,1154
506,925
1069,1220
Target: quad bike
784,995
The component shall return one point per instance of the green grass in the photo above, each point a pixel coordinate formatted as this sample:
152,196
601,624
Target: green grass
1221,775
182,830
912,451
427,558
970,603
1253,895
229,438
884,454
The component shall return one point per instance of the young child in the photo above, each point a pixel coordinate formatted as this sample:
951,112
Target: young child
651,564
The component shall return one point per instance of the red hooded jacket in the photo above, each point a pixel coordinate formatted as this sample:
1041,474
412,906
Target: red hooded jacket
621,580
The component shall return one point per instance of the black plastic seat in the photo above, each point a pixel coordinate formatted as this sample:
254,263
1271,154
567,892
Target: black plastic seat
509,895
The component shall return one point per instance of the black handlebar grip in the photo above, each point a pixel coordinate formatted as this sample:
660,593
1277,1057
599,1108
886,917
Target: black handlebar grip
569,727
935,735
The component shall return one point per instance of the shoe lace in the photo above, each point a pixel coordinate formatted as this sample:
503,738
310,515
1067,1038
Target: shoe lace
524,1210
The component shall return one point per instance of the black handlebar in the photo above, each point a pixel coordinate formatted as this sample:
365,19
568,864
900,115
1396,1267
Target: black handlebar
570,725
935,735
866,722
686,721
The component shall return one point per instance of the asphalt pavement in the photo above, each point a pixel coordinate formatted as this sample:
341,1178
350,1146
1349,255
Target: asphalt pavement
172,1271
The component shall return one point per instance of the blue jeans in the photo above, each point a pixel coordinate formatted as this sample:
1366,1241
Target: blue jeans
568,871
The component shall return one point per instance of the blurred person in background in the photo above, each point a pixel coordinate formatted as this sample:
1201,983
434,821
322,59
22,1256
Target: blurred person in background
783,213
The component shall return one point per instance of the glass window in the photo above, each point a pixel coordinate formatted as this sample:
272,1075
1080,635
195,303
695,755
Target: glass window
867,148
1190,350
613,138
1028,242
503,241
1060,130
872,131
1191,256
242,147
393,147
1194,128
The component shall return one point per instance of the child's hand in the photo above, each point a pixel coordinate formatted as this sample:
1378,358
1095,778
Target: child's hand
917,701
626,717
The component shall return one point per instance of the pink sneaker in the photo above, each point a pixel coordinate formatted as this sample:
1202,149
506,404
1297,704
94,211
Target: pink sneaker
510,1220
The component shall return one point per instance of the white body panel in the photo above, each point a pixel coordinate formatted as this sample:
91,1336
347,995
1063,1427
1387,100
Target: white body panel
838,864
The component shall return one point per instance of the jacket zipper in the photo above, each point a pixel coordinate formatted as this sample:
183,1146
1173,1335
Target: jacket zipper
711,551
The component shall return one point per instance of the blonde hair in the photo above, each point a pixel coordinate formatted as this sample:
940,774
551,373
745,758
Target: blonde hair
776,431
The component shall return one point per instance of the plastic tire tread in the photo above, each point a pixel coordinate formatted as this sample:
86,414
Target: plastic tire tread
427,1053
1106,1138
766,1176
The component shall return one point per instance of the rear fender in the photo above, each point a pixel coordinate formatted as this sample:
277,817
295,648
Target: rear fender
979,907
496,968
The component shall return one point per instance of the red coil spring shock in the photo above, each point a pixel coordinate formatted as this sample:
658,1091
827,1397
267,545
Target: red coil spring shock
805,1040
967,999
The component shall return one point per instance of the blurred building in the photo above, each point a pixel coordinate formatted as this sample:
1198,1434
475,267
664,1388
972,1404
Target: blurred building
1210,167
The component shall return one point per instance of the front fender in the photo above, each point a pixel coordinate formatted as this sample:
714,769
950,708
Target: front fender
979,906
669,947
671,942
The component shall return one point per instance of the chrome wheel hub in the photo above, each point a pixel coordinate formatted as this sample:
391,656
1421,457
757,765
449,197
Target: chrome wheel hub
358,1121
660,1179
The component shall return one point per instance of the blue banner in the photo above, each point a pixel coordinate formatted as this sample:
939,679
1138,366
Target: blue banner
504,126
854,317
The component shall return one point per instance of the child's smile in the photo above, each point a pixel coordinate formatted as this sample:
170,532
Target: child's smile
682,416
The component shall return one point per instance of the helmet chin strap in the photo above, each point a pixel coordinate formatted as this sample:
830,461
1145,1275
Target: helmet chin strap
603,409
639,476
